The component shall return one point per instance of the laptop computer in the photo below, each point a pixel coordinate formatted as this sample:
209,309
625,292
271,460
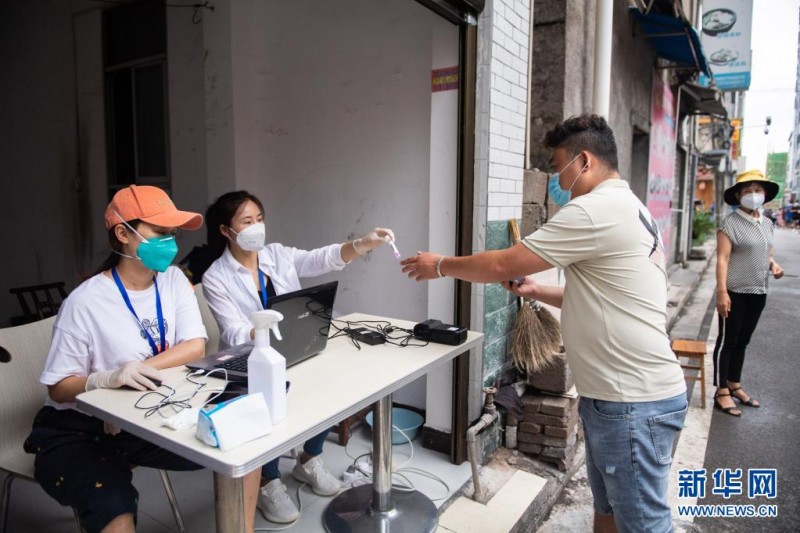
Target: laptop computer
306,321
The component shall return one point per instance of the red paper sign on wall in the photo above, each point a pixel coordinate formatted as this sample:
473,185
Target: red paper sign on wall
444,79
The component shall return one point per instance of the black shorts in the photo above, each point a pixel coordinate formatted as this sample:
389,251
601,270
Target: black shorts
82,467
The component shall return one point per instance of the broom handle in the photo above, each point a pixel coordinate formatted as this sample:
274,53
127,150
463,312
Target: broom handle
513,230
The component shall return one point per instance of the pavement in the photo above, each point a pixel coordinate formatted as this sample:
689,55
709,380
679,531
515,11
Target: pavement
766,437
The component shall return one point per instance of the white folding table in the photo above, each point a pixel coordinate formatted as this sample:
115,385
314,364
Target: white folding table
325,389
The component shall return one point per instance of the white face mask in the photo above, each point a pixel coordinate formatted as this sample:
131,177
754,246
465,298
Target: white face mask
252,237
752,200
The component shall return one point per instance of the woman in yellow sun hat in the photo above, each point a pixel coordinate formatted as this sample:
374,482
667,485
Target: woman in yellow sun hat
744,263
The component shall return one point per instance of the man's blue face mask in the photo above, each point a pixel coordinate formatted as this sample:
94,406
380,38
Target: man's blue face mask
559,195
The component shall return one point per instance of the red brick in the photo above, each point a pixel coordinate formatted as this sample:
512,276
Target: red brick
530,427
556,432
526,447
543,439
556,406
547,420
531,403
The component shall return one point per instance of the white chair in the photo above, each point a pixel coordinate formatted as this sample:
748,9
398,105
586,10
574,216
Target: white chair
23,351
212,346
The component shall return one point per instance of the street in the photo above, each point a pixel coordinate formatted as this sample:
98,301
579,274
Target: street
767,437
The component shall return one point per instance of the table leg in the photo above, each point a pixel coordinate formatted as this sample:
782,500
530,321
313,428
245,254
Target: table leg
378,508
229,503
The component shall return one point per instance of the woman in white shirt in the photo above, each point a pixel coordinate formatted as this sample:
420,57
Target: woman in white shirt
240,282
137,315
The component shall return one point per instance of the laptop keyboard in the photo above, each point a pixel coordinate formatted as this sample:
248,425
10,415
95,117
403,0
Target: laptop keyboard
238,363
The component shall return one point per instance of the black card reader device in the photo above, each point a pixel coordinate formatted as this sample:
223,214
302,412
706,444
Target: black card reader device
433,330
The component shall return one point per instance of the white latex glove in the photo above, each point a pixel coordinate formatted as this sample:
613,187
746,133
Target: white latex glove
135,375
110,429
374,239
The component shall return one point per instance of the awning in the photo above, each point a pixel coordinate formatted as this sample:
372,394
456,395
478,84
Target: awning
673,38
699,100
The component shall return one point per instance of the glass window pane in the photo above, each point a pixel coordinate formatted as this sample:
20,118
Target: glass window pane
150,121
122,170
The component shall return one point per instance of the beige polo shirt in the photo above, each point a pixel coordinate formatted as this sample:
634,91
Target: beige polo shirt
614,314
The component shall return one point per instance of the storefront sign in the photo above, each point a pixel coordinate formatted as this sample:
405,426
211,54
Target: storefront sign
725,36
776,171
661,169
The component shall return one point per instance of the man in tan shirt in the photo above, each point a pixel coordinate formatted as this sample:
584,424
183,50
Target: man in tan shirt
614,303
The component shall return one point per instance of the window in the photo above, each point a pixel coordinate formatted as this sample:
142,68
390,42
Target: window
134,45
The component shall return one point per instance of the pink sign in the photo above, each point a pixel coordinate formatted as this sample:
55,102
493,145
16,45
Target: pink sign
661,169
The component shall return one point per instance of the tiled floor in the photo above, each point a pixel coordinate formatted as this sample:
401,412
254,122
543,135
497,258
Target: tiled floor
33,511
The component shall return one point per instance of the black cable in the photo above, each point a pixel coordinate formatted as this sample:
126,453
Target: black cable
384,327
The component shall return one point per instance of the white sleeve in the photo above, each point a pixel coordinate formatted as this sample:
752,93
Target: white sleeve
566,238
311,263
68,356
234,327
188,321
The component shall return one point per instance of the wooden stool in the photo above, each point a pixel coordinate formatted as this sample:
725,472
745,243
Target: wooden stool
693,350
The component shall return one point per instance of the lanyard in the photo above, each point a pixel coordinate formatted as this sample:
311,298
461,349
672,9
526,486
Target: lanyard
263,285
159,313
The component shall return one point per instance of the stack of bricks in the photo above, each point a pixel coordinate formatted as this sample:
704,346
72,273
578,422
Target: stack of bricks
549,428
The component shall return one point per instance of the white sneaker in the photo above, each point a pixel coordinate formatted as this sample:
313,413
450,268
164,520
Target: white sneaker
317,476
275,504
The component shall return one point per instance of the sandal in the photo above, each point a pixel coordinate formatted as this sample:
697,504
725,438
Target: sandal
726,410
749,402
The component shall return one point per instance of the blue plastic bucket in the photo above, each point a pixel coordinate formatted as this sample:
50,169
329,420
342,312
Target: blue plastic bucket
404,419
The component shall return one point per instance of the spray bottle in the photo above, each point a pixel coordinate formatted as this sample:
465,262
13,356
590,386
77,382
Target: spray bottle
266,368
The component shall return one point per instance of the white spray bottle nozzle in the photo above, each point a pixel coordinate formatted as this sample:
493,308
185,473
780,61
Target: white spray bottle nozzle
264,320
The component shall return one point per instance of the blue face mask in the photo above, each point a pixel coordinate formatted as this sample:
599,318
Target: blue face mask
559,195
156,253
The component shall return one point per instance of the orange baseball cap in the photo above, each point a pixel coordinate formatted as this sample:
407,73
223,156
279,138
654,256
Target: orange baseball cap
149,204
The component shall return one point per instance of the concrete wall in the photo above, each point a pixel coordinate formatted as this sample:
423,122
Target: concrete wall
330,125
562,84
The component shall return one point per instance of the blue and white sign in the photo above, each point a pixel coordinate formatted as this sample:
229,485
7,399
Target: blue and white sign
726,27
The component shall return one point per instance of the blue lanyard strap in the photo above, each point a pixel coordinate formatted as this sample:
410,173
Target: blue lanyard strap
159,313
262,282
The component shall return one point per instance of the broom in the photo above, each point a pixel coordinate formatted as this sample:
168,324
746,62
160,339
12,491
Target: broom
536,339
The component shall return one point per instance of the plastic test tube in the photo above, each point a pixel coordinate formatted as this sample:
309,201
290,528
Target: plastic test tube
396,251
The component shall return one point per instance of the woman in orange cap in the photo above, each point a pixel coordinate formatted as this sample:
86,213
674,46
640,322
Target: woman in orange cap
744,264
119,328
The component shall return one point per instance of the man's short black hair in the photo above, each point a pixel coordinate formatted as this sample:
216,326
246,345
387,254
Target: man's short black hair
585,132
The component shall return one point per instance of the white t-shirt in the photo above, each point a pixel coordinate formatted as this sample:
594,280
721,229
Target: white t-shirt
614,313
95,331
232,295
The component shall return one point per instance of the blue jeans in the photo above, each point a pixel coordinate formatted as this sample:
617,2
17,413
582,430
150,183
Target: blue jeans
628,457
312,447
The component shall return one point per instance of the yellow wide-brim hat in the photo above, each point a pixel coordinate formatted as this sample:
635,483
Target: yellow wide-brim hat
751,176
